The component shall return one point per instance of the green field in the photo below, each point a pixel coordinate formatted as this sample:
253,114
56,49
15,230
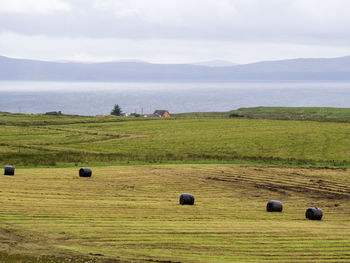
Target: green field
295,113
129,212
281,113
193,115
41,140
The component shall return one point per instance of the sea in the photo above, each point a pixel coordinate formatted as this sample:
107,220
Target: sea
95,98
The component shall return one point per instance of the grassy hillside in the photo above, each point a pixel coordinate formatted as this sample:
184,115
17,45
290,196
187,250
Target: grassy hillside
19,119
282,113
40,140
298,113
202,115
131,214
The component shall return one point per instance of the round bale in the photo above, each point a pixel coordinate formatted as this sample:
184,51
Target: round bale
9,170
85,172
274,206
314,213
186,199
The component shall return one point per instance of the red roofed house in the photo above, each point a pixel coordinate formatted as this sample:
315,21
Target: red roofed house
162,114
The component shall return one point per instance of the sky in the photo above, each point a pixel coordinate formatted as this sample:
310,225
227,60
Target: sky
174,31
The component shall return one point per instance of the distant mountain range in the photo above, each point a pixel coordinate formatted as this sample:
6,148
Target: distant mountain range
308,69
215,63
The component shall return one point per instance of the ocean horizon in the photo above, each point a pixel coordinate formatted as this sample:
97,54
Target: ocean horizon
98,98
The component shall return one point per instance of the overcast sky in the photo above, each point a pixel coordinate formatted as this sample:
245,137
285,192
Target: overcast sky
174,31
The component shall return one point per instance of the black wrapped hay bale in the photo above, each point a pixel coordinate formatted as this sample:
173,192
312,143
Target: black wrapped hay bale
274,206
314,213
9,170
186,199
85,172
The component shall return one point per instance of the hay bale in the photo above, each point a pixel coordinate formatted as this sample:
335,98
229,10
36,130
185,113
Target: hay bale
85,172
9,170
186,199
314,213
274,206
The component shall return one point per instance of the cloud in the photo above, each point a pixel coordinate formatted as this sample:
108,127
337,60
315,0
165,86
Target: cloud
196,29
157,50
34,6
230,20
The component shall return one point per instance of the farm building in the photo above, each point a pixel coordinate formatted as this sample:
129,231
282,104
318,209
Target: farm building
161,114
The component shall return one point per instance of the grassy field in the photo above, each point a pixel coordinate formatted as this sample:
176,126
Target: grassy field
192,115
41,140
280,113
295,113
30,120
131,214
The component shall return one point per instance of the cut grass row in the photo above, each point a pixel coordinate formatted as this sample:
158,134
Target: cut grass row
131,214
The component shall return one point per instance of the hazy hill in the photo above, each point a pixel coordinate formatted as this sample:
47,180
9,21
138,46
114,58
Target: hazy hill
341,64
215,63
294,69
